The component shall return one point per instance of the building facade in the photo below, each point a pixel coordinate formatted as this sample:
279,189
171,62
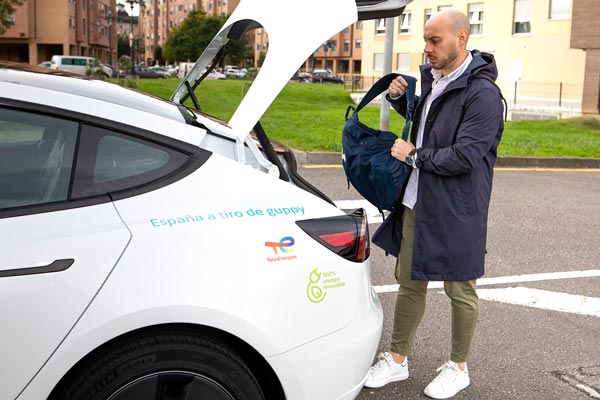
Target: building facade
584,35
342,53
44,28
530,39
159,17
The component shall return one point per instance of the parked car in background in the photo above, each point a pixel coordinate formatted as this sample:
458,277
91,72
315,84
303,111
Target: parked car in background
184,68
235,72
76,64
324,76
111,72
145,72
232,72
172,70
302,76
214,74
45,64
161,70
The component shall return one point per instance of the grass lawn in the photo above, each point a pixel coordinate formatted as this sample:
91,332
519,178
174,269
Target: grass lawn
310,117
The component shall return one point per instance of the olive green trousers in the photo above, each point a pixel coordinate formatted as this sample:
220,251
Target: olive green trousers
410,303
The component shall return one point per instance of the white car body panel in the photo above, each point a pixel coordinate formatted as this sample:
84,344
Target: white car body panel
39,310
273,292
291,50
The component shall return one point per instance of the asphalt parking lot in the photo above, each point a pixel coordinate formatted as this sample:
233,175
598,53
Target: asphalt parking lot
538,335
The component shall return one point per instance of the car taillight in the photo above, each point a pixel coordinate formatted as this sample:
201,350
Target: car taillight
345,235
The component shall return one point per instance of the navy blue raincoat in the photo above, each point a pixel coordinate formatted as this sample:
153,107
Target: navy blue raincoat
460,141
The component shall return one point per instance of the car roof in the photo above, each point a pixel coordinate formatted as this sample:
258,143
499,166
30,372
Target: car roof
66,82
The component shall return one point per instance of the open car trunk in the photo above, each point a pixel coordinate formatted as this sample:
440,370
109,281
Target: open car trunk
287,51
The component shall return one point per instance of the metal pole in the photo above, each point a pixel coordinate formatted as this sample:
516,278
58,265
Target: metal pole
109,19
560,96
131,36
384,111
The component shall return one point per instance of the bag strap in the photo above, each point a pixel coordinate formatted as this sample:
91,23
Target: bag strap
382,85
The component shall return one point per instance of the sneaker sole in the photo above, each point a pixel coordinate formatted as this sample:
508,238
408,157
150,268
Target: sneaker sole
447,396
388,380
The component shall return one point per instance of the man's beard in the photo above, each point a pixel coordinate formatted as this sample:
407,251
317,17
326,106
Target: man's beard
452,56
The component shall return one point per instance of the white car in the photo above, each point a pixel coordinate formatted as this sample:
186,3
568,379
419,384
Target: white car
152,251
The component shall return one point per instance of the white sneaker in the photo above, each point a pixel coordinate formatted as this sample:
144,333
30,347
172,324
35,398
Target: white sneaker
386,370
450,381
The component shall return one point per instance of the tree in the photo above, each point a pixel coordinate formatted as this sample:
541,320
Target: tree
122,45
7,9
236,52
158,55
189,39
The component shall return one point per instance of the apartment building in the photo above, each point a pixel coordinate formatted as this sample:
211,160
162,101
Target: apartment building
530,39
159,17
342,53
43,28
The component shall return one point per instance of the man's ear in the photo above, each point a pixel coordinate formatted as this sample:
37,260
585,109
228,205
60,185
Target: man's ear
462,36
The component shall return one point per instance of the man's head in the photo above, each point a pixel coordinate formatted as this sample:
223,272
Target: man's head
446,35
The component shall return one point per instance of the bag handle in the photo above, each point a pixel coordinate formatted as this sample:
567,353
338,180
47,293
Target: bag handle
382,85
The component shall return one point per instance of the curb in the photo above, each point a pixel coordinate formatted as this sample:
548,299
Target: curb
332,158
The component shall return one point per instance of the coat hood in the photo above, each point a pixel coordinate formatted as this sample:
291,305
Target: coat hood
483,65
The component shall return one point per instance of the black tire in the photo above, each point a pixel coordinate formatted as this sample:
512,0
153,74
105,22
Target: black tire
171,364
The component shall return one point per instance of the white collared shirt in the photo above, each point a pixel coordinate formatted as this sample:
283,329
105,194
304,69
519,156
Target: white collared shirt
438,86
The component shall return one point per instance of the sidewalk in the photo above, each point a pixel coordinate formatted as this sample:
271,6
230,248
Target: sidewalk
325,158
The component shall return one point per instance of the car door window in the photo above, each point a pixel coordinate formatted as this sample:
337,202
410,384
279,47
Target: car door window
111,161
36,158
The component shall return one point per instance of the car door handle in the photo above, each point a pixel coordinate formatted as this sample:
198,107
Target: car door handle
55,266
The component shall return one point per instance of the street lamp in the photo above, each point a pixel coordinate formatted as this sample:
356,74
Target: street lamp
131,3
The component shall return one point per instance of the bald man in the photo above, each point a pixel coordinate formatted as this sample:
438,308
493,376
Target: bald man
457,126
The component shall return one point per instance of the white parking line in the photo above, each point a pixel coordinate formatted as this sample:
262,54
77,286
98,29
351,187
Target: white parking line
500,280
543,299
578,384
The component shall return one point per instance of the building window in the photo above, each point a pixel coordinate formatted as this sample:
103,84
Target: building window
10,19
358,43
347,30
427,15
403,62
380,28
522,17
359,25
405,22
476,19
378,62
346,46
560,9
443,8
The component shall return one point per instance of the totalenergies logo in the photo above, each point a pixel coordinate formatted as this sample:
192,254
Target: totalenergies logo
283,246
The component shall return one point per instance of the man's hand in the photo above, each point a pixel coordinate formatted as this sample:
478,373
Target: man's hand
400,149
397,87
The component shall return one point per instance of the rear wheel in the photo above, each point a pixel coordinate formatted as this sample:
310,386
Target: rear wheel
162,366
